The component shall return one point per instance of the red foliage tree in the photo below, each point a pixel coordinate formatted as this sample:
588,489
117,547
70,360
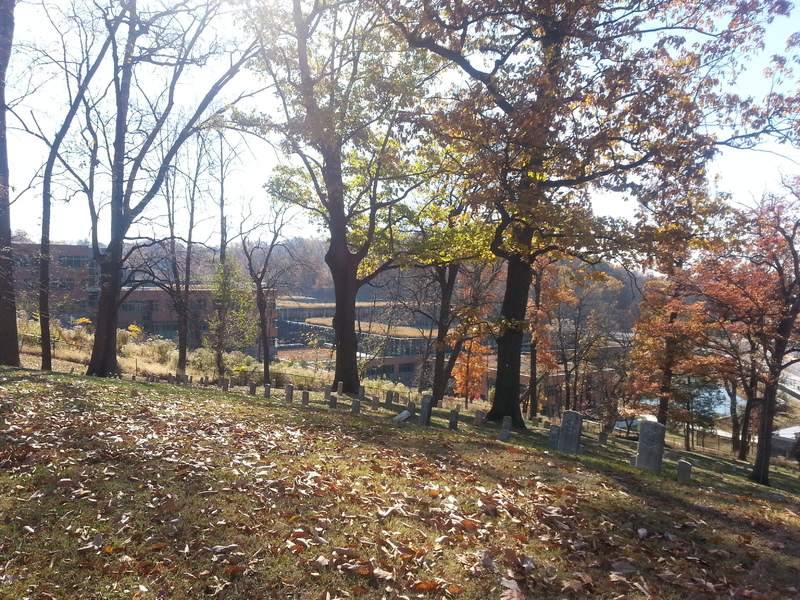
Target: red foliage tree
755,286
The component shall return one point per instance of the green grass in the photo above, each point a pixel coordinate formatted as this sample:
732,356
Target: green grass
113,489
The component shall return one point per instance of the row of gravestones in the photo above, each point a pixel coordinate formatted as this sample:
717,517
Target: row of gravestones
650,451
425,412
563,438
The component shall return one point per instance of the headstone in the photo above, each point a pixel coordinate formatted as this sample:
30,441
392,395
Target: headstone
361,392
412,408
340,388
327,392
170,378
274,383
439,403
252,388
651,446
507,421
225,384
602,437
546,425
376,402
633,459
452,423
478,418
267,390
288,393
552,437
719,467
684,469
304,398
355,406
190,379
402,417
389,396
425,411
133,377
569,438
333,401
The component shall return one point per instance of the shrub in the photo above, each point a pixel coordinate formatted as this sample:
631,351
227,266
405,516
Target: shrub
202,360
123,339
161,351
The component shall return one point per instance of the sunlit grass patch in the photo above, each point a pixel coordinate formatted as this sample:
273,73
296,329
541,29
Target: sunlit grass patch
114,489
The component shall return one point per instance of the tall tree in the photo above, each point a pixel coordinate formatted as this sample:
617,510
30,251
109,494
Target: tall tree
448,241
343,89
155,51
166,259
470,369
9,348
267,261
758,286
668,348
581,327
566,94
78,72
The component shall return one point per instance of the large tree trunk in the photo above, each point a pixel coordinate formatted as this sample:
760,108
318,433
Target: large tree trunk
760,473
104,351
506,400
447,277
9,342
343,267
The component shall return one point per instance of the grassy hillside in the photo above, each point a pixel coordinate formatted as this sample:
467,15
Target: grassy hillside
113,489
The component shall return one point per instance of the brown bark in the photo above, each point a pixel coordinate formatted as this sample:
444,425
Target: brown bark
731,388
506,400
442,368
760,473
103,361
343,266
9,343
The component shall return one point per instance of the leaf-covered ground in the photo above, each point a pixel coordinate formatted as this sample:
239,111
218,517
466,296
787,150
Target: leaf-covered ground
115,489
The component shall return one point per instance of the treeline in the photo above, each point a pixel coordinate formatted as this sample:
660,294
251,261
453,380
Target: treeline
428,136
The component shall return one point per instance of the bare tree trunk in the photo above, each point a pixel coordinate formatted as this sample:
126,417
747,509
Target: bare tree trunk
509,344
343,269
731,388
447,277
263,322
222,303
744,448
103,361
9,342
760,473
182,295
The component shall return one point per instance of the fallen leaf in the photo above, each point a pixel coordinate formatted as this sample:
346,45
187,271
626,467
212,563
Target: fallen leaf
622,566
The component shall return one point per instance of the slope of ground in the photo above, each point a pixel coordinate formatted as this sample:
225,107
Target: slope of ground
113,489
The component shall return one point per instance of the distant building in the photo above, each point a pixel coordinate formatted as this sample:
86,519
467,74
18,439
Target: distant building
74,280
75,289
